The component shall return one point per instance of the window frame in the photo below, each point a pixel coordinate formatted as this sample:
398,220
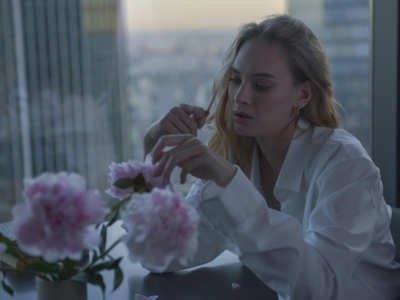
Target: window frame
384,94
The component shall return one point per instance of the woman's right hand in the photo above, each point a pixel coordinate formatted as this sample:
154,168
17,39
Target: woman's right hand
182,119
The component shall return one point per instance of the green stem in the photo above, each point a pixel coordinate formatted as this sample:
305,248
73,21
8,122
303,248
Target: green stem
119,204
115,207
23,271
100,257
22,260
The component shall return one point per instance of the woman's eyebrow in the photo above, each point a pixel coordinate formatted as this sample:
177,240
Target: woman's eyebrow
269,75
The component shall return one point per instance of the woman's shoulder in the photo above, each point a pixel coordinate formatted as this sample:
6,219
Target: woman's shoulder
333,146
337,142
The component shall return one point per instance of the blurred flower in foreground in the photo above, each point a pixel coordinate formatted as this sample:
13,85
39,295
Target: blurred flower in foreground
54,221
129,177
161,226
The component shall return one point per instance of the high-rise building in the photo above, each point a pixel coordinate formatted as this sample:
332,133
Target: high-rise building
342,27
62,103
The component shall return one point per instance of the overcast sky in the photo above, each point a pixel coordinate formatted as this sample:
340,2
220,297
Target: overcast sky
198,14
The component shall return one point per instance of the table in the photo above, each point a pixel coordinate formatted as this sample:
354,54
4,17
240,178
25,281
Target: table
209,281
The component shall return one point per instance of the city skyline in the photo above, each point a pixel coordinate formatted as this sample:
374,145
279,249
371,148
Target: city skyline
143,15
62,99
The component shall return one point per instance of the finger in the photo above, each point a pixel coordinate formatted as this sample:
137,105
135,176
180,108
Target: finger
182,156
167,155
185,119
189,166
200,122
168,127
197,111
175,121
158,157
166,141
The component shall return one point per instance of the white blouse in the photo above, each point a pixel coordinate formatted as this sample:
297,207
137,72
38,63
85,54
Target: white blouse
331,239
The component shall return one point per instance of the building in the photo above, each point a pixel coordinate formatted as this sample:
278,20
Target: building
342,26
62,100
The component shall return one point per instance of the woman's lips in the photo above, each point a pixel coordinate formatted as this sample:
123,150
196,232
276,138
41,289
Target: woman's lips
241,118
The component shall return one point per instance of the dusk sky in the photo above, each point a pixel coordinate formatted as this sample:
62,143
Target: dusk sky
197,14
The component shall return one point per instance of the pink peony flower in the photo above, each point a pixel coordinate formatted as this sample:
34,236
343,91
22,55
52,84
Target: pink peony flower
161,226
132,169
54,221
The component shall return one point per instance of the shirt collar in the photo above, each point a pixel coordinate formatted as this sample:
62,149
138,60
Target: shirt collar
291,174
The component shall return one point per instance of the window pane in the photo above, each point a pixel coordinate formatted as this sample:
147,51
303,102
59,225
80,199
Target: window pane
175,48
342,27
62,102
82,80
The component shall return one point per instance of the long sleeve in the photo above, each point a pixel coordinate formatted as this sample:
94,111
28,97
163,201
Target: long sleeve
210,243
271,243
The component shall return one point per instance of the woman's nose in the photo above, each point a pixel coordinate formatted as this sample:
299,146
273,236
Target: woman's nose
243,95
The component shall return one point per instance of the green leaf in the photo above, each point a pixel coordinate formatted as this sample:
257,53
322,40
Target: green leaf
89,277
139,180
139,183
5,286
95,255
40,267
55,277
124,183
118,277
68,266
112,221
108,265
57,268
10,247
103,235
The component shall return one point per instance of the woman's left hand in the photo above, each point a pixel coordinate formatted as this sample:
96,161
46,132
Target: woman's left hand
193,157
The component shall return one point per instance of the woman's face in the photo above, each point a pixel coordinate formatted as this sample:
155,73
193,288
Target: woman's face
261,91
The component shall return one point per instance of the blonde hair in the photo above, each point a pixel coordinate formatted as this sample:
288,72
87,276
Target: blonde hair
307,61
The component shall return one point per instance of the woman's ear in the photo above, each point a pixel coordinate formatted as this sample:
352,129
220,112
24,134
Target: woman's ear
307,91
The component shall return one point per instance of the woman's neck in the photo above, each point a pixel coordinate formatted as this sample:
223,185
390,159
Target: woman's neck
274,149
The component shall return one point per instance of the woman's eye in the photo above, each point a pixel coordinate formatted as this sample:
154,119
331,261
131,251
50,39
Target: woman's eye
262,87
234,80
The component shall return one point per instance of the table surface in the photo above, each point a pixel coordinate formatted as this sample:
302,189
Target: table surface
209,281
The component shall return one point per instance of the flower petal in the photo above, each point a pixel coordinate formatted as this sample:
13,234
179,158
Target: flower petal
161,226
235,286
141,297
54,221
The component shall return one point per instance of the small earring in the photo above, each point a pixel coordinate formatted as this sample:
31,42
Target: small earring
297,111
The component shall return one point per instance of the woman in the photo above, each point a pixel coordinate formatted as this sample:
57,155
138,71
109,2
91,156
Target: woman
299,199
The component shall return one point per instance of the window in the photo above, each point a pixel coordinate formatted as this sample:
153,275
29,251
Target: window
173,58
82,80
343,30
62,99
